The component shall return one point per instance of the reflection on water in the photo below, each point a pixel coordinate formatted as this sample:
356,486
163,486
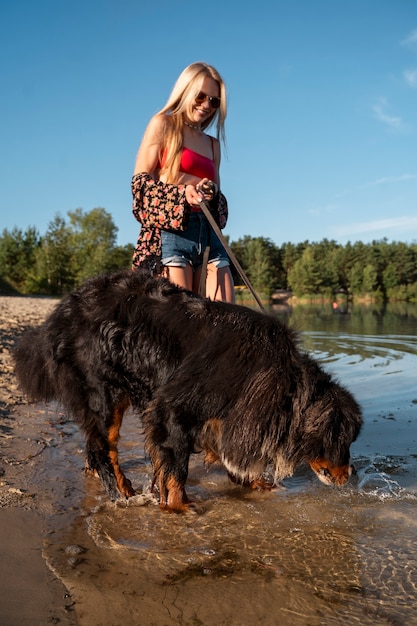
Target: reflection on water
305,554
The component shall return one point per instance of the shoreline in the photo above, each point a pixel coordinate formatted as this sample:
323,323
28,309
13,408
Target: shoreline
31,593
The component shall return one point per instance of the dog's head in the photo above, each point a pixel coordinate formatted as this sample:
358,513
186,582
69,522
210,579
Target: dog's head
333,423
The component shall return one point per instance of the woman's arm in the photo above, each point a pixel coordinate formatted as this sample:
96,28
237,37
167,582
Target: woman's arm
151,146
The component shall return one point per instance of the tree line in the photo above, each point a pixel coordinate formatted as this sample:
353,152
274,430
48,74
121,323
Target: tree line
70,251
380,270
84,244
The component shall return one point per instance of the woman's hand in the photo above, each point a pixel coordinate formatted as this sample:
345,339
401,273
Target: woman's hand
204,190
192,195
207,188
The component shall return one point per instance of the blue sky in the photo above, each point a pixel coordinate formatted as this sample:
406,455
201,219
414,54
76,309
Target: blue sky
322,117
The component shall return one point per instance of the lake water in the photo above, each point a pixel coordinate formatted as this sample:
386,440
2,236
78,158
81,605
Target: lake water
305,554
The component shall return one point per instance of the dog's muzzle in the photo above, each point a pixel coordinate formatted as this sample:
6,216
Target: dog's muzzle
331,474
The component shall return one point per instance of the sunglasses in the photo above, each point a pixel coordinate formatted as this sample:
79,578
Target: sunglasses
213,100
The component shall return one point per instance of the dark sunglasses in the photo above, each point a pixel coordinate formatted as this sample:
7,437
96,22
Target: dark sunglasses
213,100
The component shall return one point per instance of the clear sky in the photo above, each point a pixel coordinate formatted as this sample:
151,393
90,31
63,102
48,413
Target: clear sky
322,110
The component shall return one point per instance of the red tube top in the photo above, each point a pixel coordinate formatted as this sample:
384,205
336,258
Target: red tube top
197,165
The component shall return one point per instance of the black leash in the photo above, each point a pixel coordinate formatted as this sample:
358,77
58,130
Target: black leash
230,254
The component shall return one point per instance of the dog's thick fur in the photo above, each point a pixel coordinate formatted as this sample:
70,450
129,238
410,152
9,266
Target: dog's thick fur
203,375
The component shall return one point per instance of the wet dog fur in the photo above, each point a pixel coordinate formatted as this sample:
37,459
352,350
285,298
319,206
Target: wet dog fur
203,376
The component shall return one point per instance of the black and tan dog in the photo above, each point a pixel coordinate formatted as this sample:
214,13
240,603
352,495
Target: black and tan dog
203,375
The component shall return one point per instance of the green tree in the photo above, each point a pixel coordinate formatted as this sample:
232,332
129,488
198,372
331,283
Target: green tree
93,241
17,255
120,257
290,253
258,260
403,257
339,260
355,278
312,274
53,270
71,252
390,277
370,279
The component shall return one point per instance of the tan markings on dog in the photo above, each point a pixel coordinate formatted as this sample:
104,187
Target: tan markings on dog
89,471
123,484
172,495
330,474
175,500
210,457
262,484
210,440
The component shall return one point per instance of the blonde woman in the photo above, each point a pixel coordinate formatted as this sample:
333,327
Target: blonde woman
177,166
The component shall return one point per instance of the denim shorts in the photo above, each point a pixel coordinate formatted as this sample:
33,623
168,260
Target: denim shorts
180,248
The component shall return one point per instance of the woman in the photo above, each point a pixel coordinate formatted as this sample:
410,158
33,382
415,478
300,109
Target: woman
177,166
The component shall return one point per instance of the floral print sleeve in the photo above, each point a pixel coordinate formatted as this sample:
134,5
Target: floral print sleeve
158,205
219,210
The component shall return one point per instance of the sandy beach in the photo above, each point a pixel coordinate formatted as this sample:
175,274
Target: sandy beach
31,594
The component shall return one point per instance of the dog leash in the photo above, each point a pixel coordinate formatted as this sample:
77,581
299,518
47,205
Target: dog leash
203,276
230,254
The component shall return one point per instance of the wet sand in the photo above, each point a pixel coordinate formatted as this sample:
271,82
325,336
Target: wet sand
30,592
305,555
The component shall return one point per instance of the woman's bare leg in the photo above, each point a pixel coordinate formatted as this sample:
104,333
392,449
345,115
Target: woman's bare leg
181,276
219,283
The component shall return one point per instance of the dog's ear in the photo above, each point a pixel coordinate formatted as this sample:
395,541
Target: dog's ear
258,416
263,394
344,423
331,423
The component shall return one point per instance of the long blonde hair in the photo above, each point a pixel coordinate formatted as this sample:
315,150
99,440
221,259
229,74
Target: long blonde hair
179,102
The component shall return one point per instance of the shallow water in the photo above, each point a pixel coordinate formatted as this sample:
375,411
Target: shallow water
305,554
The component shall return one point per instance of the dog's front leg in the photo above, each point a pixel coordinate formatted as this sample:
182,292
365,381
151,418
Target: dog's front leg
169,448
173,497
171,471
102,453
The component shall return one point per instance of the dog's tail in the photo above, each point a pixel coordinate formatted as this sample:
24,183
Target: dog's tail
32,366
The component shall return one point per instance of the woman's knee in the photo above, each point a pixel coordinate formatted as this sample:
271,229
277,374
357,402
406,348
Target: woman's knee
220,283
